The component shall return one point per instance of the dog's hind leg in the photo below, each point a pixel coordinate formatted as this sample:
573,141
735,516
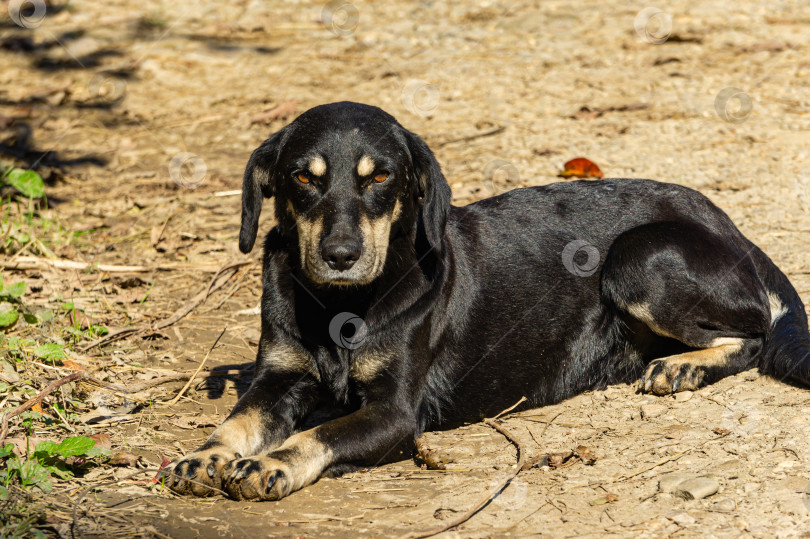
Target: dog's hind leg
699,308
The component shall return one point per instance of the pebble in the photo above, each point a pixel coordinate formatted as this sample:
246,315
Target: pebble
669,482
798,506
682,519
697,488
726,505
683,396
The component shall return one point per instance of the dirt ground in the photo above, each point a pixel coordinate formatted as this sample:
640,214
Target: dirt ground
148,111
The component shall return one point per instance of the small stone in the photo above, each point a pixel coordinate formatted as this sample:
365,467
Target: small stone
798,506
683,396
725,505
649,411
670,481
697,489
748,488
682,519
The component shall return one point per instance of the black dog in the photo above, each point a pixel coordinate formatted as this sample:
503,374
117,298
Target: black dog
383,299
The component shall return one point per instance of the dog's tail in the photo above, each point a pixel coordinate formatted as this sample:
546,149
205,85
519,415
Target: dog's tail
786,355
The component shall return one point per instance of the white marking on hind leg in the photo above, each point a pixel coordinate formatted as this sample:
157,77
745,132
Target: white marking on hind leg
778,309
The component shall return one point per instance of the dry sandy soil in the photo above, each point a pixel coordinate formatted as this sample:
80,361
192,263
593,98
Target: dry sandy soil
118,90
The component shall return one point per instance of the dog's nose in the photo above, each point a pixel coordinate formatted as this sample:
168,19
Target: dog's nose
340,253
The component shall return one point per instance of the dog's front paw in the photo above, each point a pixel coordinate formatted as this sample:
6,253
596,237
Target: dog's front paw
258,478
666,375
197,472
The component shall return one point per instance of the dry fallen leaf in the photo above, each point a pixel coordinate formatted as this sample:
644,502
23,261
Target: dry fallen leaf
124,458
103,441
585,455
581,168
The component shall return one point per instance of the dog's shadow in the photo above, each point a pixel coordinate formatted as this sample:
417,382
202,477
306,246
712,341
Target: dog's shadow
237,375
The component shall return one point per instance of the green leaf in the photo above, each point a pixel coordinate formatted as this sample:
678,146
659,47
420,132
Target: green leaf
3,493
16,290
45,316
60,469
8,315
97,452
27,182
50,352
45,448
75,445
6,451
34,474
30,318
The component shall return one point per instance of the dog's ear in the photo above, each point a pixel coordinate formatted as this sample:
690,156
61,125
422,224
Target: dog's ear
258,183
432,189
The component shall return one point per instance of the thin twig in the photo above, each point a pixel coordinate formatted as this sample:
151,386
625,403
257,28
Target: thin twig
199,368
36,263
34,400
220,278
491,495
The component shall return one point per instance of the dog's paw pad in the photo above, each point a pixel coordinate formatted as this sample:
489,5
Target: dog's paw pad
198,472
257,478
664,376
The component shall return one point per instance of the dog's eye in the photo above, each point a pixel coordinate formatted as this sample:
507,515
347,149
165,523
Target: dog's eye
380,177
303,178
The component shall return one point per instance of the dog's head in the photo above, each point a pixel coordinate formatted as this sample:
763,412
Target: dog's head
343,175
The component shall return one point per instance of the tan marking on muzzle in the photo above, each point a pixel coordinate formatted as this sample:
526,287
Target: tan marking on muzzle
317,166
379,230
365,166
309,237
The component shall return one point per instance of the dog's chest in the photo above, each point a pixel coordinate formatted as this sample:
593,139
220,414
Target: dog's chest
346,373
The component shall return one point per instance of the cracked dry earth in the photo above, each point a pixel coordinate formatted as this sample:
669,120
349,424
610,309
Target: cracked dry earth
130,85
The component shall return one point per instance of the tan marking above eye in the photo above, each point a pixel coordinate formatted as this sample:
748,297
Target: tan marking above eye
317,166
365,166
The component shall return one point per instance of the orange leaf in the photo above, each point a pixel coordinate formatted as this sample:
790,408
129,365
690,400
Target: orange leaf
103,441
72,365
581,168
37,407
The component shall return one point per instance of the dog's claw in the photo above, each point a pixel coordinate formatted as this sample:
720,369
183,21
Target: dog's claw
211,470
675,384
270,482
647,384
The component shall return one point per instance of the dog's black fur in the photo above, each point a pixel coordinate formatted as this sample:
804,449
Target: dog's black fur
541,292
